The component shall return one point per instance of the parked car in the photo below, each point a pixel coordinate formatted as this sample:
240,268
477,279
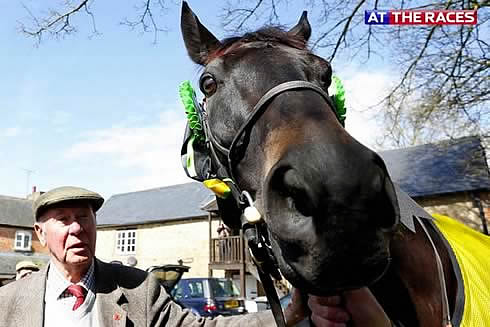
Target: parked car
209,297
261,303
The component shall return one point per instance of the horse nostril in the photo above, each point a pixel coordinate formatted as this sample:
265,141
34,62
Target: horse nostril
289,185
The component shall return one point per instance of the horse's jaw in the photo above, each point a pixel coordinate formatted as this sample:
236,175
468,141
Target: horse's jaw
325,266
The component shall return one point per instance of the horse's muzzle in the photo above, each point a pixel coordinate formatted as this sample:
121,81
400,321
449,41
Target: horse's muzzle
330,220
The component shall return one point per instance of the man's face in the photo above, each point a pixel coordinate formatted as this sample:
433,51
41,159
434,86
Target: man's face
70,234
23,273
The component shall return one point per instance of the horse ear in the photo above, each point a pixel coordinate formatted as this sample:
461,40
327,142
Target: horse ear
198,40
303,28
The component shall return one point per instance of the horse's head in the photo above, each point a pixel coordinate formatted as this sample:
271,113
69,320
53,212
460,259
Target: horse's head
328,201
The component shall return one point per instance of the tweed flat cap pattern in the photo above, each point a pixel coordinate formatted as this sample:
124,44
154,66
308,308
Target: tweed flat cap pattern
63,194
26,265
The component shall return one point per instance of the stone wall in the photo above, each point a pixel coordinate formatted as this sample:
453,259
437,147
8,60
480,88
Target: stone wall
460,206
165,243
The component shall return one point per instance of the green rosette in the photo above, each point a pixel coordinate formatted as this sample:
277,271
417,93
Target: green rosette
337,93
188,98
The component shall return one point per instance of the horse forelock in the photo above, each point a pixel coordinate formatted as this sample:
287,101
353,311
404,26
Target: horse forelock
268,34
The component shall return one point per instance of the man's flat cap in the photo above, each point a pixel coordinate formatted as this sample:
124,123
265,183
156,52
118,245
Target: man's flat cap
26,265
63,194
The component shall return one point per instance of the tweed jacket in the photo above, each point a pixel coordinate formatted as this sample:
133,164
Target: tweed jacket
125,297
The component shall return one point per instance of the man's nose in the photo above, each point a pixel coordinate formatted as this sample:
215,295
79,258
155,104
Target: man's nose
75,228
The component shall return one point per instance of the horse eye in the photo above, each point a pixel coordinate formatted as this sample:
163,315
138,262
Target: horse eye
208,84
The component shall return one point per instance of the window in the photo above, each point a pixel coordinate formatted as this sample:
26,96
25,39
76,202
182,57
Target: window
196,289
23,240
126,242
224,287
178,291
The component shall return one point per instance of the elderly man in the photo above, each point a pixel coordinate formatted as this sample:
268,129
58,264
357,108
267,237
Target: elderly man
76,289
24,269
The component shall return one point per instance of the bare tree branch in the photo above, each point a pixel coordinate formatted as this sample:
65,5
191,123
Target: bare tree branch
442,71
412,65
346,28
146,19
250,13
56,24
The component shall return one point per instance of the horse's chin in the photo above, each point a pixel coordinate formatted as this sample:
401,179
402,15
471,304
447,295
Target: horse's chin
336,284
329,278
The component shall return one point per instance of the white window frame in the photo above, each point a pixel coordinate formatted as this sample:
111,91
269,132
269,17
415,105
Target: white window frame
126,241
24,234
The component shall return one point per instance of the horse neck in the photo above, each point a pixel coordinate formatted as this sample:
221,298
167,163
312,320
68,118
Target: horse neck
413,279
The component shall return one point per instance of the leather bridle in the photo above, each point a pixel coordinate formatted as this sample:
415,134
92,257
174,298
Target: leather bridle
233,153
255,232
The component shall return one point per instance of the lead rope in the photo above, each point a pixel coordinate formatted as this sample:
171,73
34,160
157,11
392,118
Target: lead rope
271,294
252,220
446,317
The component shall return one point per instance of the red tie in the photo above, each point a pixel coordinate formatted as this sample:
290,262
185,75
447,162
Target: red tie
78,292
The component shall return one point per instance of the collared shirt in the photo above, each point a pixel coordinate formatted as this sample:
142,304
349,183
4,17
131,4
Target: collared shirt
57,284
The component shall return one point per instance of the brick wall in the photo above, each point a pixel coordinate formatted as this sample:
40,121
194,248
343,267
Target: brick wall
7,235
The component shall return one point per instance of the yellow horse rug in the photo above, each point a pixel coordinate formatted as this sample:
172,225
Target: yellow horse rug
471,258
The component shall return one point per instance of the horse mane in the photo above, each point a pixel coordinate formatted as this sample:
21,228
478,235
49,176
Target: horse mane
267,34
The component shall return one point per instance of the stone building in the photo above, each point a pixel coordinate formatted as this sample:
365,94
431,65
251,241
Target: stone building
157,226
450,178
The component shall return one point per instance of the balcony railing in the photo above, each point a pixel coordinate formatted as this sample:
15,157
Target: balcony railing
228,250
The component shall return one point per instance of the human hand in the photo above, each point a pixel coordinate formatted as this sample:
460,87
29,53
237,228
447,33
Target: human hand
296,309
324,311
354,308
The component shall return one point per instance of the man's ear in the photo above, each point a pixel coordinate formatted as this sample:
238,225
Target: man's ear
41,233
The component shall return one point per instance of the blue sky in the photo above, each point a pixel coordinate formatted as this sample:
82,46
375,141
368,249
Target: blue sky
103,112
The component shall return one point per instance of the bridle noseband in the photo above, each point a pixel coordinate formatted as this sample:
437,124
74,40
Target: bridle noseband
233,153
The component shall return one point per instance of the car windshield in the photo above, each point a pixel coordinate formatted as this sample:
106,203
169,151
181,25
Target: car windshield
223,287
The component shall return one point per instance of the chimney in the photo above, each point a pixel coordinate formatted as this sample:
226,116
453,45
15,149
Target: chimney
35,194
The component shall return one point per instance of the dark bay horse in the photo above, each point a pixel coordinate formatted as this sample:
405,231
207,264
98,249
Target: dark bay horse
331,210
